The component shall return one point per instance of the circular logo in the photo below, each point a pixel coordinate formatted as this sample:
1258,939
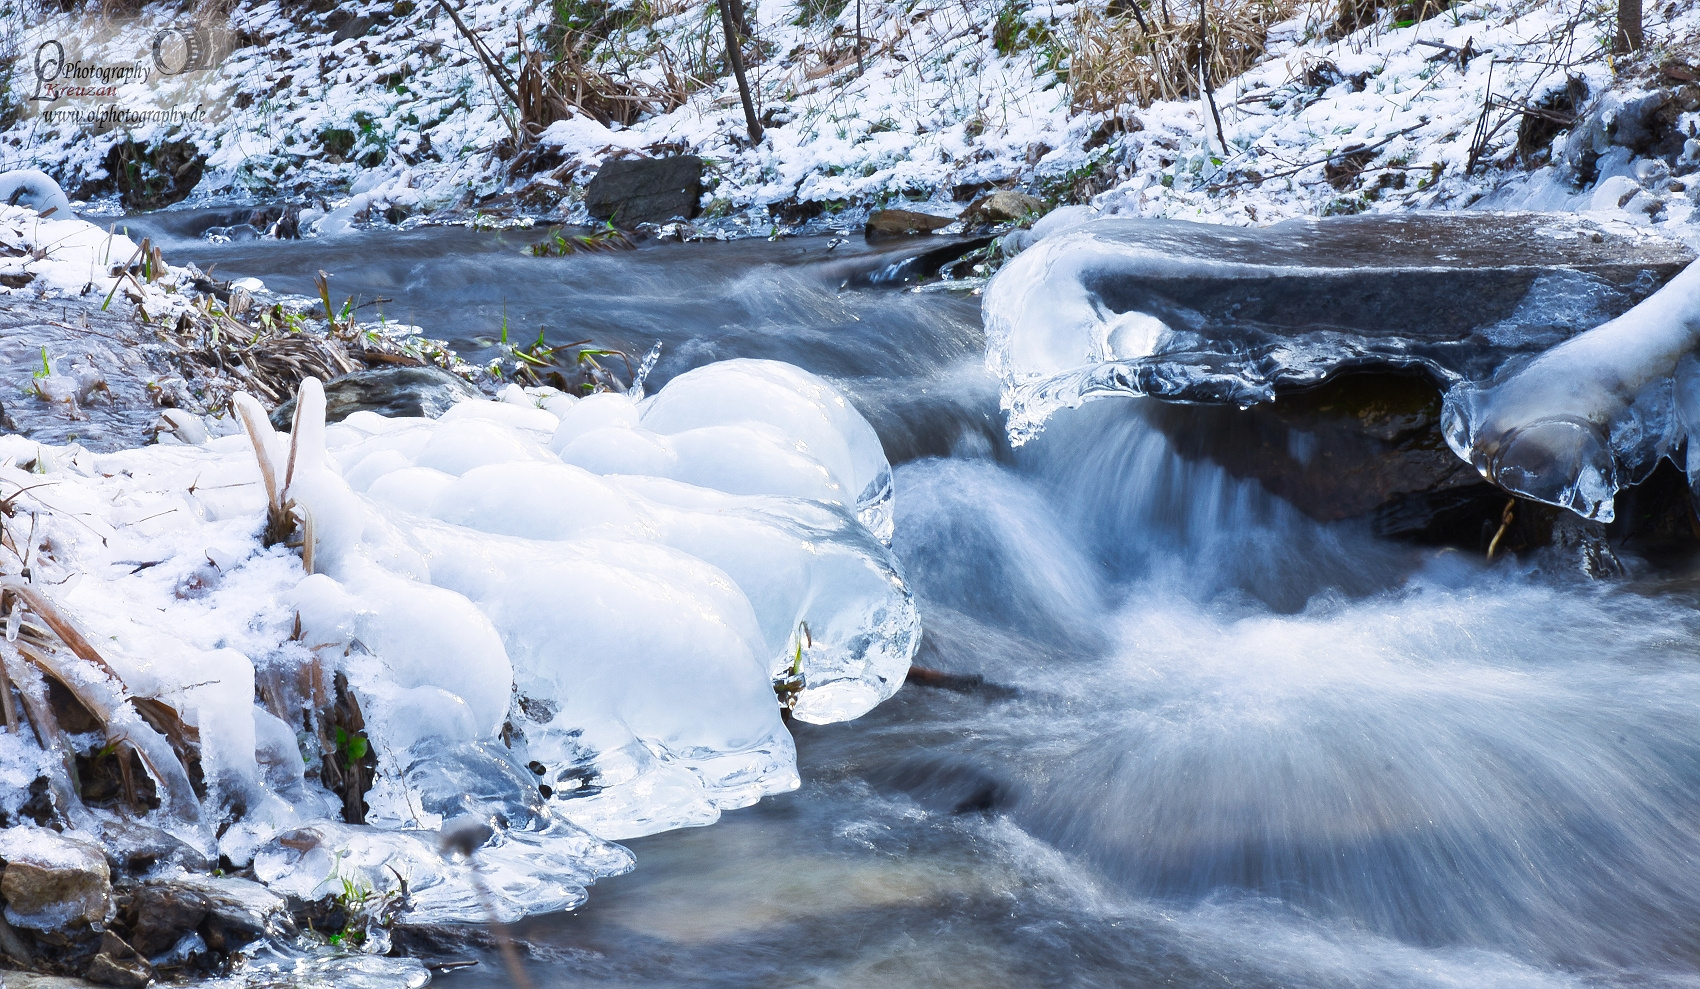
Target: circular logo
176,51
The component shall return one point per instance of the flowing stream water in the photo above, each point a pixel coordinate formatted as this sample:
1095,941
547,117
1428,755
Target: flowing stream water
1173,731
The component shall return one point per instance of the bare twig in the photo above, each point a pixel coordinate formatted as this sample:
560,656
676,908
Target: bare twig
495,67
1320,161
1478,144
1204,77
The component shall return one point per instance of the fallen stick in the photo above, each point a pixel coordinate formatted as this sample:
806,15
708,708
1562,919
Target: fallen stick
1320,161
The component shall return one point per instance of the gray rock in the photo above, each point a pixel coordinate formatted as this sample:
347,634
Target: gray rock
389,391
52,880
354,27
238,911
134,847
630,191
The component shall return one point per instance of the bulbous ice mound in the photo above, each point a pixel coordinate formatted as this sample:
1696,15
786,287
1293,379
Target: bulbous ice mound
635,576
1594,414
1200,313
561,621
779,405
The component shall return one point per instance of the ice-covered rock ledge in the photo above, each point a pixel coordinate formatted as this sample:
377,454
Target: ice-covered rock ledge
1567,376
567,620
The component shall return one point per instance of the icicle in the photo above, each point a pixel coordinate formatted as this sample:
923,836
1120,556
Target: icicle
647,365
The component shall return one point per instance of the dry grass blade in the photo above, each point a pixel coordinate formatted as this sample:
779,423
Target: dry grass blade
32,688
280,520
62,626
1118,58
158,756
8,703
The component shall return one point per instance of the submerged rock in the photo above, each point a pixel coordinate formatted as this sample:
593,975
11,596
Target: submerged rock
389,391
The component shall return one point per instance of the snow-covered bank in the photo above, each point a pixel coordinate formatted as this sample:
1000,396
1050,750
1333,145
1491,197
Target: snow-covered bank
380,109
554,616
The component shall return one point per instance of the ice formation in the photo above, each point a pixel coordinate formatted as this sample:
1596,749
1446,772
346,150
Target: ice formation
1580,422
1505,310
1200,313
565,617
35,189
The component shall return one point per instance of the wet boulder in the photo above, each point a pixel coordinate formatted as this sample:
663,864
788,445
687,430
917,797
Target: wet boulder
53,880
903,223
118,964
908,265
165,913
133,848
630,191
1366,446
391,391
1201,313
1363,446
1003,206
238,911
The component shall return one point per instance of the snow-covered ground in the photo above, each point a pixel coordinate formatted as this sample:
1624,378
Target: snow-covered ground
403,112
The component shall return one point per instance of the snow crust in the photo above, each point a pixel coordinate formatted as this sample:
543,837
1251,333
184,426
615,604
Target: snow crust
66,256
567,653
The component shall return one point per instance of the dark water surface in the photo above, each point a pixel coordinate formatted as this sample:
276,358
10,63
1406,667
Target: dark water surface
1178,733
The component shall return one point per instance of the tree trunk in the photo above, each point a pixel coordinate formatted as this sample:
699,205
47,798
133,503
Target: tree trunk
735,55
1628,27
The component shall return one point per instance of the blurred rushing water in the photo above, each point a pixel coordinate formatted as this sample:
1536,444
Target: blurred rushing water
1173,731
